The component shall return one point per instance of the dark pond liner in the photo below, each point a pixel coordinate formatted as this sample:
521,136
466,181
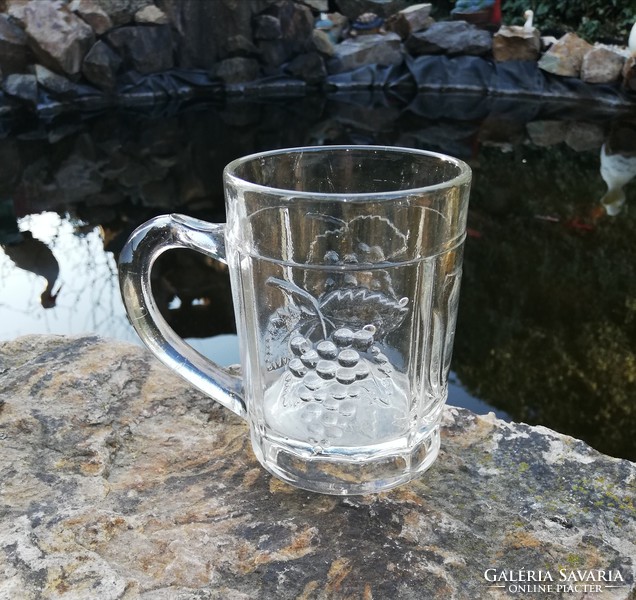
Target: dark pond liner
464,75
473,74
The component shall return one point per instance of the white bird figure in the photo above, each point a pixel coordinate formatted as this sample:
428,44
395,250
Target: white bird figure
617,170
528,16
631,43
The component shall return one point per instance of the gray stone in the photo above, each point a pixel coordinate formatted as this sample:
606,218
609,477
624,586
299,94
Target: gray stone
629,74
58,38
516,43
120,481
239,45
21,86
410,20
297,25
15,9
566,56
272,52
267,27
309,67
122,12
58,84
322,42
450,37
340,26
145,48
383,8
78,177
317,5
377,49
101,65
151,15
582,136
547,133
237,70
93,14
204,27
601,65
14,51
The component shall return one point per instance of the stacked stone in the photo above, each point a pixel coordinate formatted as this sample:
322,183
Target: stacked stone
72,47
59,45
569,56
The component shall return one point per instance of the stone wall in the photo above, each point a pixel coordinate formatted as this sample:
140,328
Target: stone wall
64,49
120,482
95,41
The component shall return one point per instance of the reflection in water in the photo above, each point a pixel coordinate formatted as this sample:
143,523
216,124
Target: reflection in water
88,298
193,294
32,255
547,323
618,167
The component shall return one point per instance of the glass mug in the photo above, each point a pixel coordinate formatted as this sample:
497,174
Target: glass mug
345,266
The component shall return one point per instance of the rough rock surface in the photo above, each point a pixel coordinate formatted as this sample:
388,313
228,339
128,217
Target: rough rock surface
450,37
204,27
237,70
566,56
410,20
93,14
101,65
322,42
296,27
317,5
119,481
14,52
516,43
547,133
22,86
366,50
267,27
582,136
601,65
59,38
629,74
151,15
122,11
383,8
15,9
145,48
53,82
308,67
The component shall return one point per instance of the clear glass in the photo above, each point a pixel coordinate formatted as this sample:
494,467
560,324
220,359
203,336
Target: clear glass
345,265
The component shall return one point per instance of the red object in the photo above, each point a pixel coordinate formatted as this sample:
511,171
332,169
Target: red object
496,13
577,225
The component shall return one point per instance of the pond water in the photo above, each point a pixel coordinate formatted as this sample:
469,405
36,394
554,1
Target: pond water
547,324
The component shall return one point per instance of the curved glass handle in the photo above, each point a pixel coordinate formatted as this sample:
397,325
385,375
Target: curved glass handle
144,246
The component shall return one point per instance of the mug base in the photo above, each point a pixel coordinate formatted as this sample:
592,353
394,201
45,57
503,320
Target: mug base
338,472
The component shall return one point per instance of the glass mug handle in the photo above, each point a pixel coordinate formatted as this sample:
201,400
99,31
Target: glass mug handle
142,249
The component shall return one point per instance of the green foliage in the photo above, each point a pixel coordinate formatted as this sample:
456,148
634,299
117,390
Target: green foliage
591,19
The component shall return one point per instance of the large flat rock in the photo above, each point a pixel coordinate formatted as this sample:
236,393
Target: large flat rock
119,481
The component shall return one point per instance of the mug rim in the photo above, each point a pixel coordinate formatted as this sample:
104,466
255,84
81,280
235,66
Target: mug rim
463,177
